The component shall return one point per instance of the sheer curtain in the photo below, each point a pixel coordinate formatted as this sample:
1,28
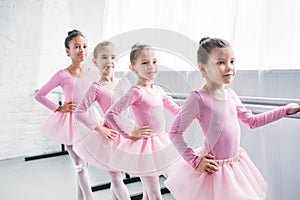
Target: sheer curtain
264,33
265,36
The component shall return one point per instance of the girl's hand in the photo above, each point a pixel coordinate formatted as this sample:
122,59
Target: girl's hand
208,165
141,133
108,133
69,106
292,108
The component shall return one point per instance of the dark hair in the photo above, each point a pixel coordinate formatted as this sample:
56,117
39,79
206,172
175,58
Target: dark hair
207,45
71,35
136,49
101,45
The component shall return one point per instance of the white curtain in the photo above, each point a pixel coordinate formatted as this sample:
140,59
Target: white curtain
264,33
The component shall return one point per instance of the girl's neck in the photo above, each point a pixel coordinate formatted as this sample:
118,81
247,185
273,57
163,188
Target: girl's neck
146,84
109,81
75,69
216,91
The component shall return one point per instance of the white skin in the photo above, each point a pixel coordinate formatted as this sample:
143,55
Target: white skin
218,72
146,70
106,62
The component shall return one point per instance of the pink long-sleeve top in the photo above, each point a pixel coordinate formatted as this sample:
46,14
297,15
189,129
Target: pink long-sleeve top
62,78
147,109
219,121
100,93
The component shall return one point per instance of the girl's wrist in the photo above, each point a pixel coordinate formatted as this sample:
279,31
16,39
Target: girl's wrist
58,109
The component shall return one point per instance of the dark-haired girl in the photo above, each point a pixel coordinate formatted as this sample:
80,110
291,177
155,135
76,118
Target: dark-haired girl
60,126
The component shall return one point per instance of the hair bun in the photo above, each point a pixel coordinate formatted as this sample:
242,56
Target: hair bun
203,40
135,46
73,31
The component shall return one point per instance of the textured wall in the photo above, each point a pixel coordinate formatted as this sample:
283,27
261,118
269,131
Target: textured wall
32,34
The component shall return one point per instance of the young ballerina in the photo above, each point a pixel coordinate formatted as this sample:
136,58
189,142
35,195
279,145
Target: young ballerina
60,125
147,151
221,169
96,146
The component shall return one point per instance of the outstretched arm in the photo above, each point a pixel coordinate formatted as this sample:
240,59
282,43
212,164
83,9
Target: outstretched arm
292,108
254,121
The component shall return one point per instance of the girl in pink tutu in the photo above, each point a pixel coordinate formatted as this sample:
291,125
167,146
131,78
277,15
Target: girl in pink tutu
60,125
96,146
220,169
147,150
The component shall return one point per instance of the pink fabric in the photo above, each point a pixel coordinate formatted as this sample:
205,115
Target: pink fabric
91,145
225,114
144,156
236,179
62,78
147,109
61,127
96,93
219,121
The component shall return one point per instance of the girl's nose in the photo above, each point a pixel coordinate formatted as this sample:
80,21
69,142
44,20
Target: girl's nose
150,65
230,66
82,49
109,60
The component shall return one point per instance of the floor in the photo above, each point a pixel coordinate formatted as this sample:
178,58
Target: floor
51,178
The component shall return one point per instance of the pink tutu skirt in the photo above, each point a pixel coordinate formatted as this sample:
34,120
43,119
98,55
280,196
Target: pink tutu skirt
144,157
95,149
236,179
60,127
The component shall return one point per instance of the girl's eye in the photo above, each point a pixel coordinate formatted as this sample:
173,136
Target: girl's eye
104,57
84,46
144,63
232,62
220,63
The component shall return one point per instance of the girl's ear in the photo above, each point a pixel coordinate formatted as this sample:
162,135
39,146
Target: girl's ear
202,69
67,51
131,67
94,61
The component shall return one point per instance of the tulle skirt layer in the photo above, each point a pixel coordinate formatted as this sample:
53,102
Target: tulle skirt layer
143,157
95,149
60,127
236,179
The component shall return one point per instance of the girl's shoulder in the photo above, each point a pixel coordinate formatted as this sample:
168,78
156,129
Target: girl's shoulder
199,93
135,89
64,73
159,89
232,94
60,74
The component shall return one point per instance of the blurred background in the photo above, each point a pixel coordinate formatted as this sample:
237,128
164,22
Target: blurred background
264,35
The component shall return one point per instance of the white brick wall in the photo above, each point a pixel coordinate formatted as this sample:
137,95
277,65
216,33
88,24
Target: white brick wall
32,34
